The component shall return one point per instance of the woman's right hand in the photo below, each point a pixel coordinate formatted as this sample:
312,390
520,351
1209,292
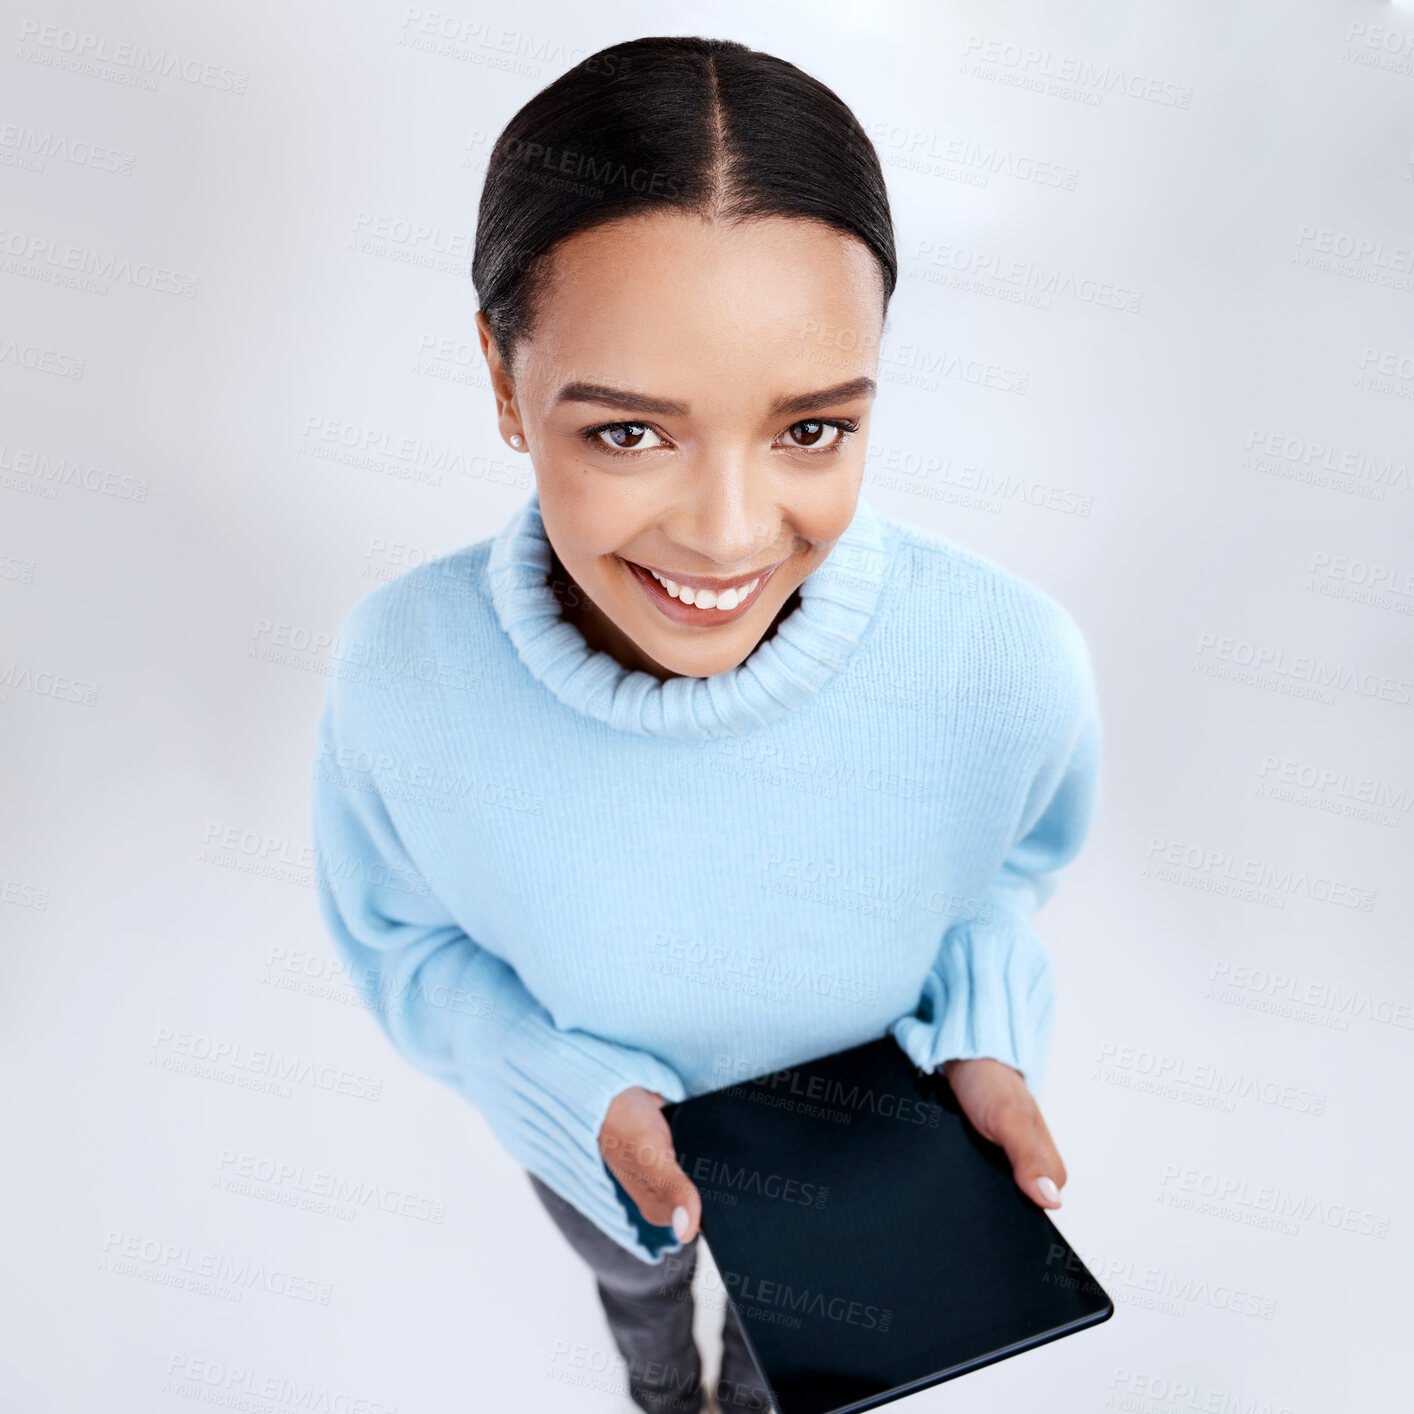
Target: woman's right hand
637,1145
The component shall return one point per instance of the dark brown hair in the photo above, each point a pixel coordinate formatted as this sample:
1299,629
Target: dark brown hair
703,125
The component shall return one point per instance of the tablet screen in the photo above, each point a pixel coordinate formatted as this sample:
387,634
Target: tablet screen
870,1240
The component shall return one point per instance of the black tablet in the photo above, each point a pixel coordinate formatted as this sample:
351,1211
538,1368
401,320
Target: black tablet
871,1242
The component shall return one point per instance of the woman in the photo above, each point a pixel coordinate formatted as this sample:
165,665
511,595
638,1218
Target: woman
700,767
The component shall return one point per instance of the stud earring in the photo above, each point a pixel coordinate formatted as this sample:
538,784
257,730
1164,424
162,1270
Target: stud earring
515,440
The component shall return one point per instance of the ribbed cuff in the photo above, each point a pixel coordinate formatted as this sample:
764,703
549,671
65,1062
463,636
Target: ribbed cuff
558,1086
989,993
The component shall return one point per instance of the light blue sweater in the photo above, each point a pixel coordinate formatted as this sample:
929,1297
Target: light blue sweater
552,878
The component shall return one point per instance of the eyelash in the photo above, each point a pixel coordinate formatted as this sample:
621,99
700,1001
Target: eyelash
847,426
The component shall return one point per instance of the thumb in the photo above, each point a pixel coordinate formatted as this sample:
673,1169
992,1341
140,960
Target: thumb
676,1202
995,1098
642,1158
1036,1163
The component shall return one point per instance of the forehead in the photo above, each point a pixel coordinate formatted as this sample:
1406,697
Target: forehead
676,304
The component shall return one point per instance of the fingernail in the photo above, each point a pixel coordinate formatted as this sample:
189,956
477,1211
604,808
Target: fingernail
1048,1190
681,1220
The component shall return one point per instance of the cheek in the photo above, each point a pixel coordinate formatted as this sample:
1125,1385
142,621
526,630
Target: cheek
603,533
584,523
820,519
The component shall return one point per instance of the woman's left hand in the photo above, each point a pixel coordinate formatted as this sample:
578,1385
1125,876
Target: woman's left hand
995,1098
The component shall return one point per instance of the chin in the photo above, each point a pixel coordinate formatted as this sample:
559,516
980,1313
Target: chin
705,665
717,651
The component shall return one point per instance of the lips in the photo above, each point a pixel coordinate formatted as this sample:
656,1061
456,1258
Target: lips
697,581
690,614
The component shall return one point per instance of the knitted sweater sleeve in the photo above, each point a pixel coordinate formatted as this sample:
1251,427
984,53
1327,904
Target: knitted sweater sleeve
990,990
461,1014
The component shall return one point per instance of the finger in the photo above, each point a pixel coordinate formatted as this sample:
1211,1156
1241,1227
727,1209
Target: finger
645,1164
1035,1161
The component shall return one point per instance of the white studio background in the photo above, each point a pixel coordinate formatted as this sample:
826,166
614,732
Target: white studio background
1152,348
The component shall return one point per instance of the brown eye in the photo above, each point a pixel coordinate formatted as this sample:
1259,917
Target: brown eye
815,434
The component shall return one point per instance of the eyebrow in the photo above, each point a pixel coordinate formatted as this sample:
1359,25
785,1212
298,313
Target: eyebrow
627,401
841,392
620,398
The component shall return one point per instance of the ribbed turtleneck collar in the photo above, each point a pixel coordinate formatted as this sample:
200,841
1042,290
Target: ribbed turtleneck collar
808,647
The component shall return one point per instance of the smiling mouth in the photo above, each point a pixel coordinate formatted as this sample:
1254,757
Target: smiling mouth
700,606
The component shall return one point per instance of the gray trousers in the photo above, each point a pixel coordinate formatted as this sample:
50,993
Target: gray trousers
649,1309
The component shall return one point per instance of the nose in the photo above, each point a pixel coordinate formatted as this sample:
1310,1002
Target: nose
727,514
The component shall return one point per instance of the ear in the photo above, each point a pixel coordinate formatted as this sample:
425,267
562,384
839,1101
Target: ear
502,385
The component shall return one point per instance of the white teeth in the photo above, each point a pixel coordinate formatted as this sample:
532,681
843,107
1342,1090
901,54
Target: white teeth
707,598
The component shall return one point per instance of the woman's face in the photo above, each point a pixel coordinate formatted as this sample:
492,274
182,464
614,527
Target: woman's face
695,400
